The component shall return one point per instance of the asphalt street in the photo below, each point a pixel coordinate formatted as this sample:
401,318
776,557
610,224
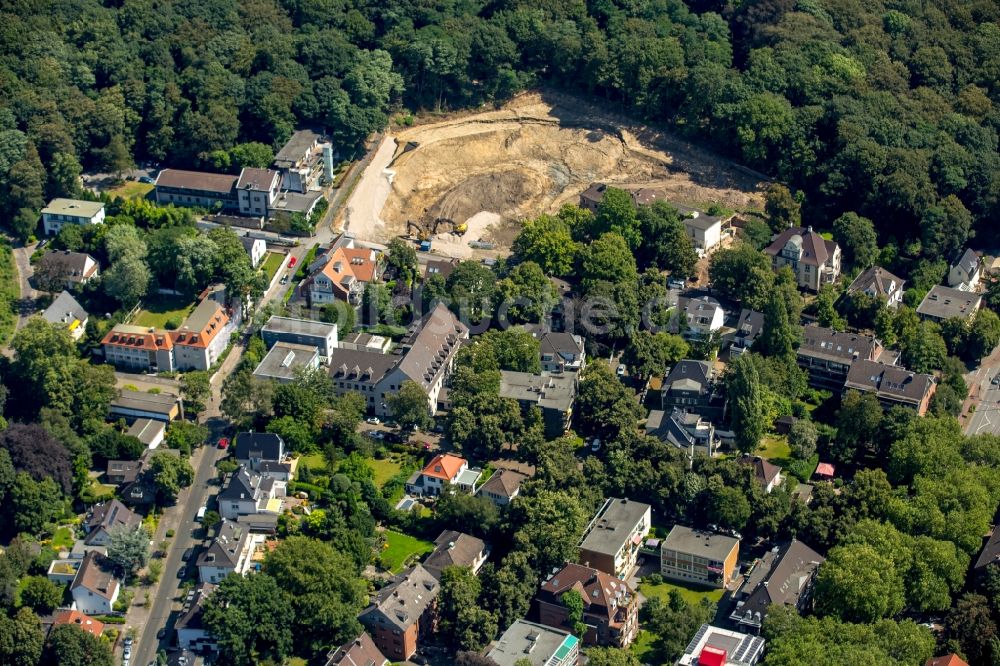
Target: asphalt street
986,417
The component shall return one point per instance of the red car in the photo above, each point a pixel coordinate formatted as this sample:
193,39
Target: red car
224,443
291,262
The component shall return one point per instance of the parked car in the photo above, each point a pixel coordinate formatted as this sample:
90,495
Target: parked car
284,279
375,434
162,633
292,262
676,283
187,554
223,442
373,420
996,380
128,652
595,445
147,180
621,370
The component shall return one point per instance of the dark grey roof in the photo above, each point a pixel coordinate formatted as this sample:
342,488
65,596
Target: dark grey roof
224,551
278,324
296,147
990,554
697,542
969,261
563,344
161,403
889,381
750,324
285,359
263,445
453,549
826,343
362,651
249,242
112,514
64,310
429,343
782,579
70,263
344,361
944,303
548,391
241,484
404,600
699,372
191,613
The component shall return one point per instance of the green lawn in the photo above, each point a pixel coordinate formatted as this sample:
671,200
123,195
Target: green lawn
691,593
316,462
63,538
774,447
400,547
131,189
10,291
271,264
643,646
160,309
384,470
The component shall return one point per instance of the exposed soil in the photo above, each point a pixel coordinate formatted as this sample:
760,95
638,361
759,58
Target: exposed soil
495,168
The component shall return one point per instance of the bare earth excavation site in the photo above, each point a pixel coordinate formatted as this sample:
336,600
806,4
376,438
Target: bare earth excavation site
488,171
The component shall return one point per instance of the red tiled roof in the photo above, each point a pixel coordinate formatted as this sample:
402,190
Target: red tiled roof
946,660
85,622
444,466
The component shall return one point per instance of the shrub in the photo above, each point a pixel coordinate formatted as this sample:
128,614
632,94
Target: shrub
173,323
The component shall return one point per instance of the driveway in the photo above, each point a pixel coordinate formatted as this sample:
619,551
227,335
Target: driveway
27,305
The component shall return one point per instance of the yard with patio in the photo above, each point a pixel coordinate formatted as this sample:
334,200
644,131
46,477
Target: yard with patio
400,549
160,309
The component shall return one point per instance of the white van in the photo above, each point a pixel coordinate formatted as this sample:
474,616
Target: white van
201,514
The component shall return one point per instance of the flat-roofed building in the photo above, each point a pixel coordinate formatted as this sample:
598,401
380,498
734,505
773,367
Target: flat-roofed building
366,342
712,646
212,191
698,556
612,539
553,394
300,161
60,212
317,334
286,361
135,404
540,645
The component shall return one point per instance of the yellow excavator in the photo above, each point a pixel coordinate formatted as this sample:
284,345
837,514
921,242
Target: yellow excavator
422,233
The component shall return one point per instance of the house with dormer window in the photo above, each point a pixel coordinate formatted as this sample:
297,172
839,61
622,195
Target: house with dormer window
402,613
814,260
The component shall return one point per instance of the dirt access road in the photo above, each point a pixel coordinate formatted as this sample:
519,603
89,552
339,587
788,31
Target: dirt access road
494,168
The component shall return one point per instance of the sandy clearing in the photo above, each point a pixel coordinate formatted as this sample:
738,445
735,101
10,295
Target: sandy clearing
497,167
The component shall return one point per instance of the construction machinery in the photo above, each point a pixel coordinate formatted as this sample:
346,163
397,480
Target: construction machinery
422,231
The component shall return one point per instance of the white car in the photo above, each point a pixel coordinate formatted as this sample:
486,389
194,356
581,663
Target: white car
621,370
372,420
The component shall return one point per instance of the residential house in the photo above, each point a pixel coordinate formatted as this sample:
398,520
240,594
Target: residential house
691,387
697,556
965,272
60,212
151,433
65,311
827,355
767,474
456,549
359,341
880,284
229,552
264,453
138,348
105,517
610,606
612,539
782,577
425,356
122,471
562,352
362,651
300,161
256,249
698,318
95,589
203,336
191,631
136,404
946,660
81,620
712,646
317,334
748,328
212,191
287,361
989,555
402,613
247,493
554,395
69,269
137,486
441,267
443,469
892,385
256,190
341,276
685,430
943,303
502,487
536,643
814,260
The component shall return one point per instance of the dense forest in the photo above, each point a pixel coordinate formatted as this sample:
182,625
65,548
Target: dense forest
888,109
